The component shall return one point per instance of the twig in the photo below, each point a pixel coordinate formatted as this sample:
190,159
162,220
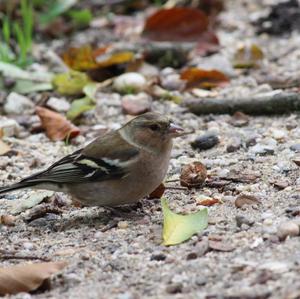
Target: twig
176,188
269,103
12,256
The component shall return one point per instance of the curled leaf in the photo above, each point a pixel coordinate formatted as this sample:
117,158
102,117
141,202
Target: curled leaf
70,83
27,277
201,78
193,175
179,228
57,127
248,57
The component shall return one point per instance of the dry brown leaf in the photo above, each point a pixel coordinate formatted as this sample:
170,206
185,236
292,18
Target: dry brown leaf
208,202
4,148
201,78
239,119
193,175
26,277
57,127
158,192
176,24
244,199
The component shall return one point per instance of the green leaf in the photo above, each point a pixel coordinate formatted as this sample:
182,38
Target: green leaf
90,90
80,106
179,228
70,83
80,17
27,86
57,8
14,72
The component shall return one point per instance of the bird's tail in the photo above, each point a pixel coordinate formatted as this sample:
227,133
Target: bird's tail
16,186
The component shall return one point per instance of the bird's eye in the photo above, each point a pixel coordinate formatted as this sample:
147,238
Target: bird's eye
154,127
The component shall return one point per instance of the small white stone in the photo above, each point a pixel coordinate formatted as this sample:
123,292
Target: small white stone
132,82
28,246
122,224
9,127
286,229
278,134
18,104
60,105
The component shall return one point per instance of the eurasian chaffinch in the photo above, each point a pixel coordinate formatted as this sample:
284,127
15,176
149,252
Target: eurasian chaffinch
118,168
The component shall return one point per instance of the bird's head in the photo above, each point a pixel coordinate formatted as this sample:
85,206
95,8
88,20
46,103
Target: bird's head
151,129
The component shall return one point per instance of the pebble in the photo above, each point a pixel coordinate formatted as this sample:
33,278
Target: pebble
174,288
130,82
60,105
18,104
234,145
123,224
259,149
8,220
9,127
286,229
278,134
158,256
295,147
240,220
136,104
205,142
28,246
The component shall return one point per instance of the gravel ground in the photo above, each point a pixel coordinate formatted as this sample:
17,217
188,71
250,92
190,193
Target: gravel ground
244,253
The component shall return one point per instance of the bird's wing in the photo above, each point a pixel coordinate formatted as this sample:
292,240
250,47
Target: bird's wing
110,161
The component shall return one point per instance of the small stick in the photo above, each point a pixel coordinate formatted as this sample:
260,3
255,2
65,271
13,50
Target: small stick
176,188
24,257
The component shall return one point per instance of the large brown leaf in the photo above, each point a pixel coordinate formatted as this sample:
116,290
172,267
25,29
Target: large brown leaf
176,24
57,127
26,277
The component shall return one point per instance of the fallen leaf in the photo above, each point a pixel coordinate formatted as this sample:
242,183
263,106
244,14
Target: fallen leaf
208,201
244,199
80,106
248,57
158,192
80,17
27,277
90,90
55,9
20,206
4,148
27,86
179,228
193,175
14,72
297,161
176,24
201,78
57,127
85,58
70,83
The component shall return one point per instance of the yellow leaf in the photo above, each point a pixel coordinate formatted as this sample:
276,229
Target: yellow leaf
179,228
70,83
248,57
114,58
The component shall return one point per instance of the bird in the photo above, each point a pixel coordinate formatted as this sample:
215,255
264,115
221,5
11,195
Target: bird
118,168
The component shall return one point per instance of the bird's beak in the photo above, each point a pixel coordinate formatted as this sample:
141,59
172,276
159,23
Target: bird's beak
175,130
